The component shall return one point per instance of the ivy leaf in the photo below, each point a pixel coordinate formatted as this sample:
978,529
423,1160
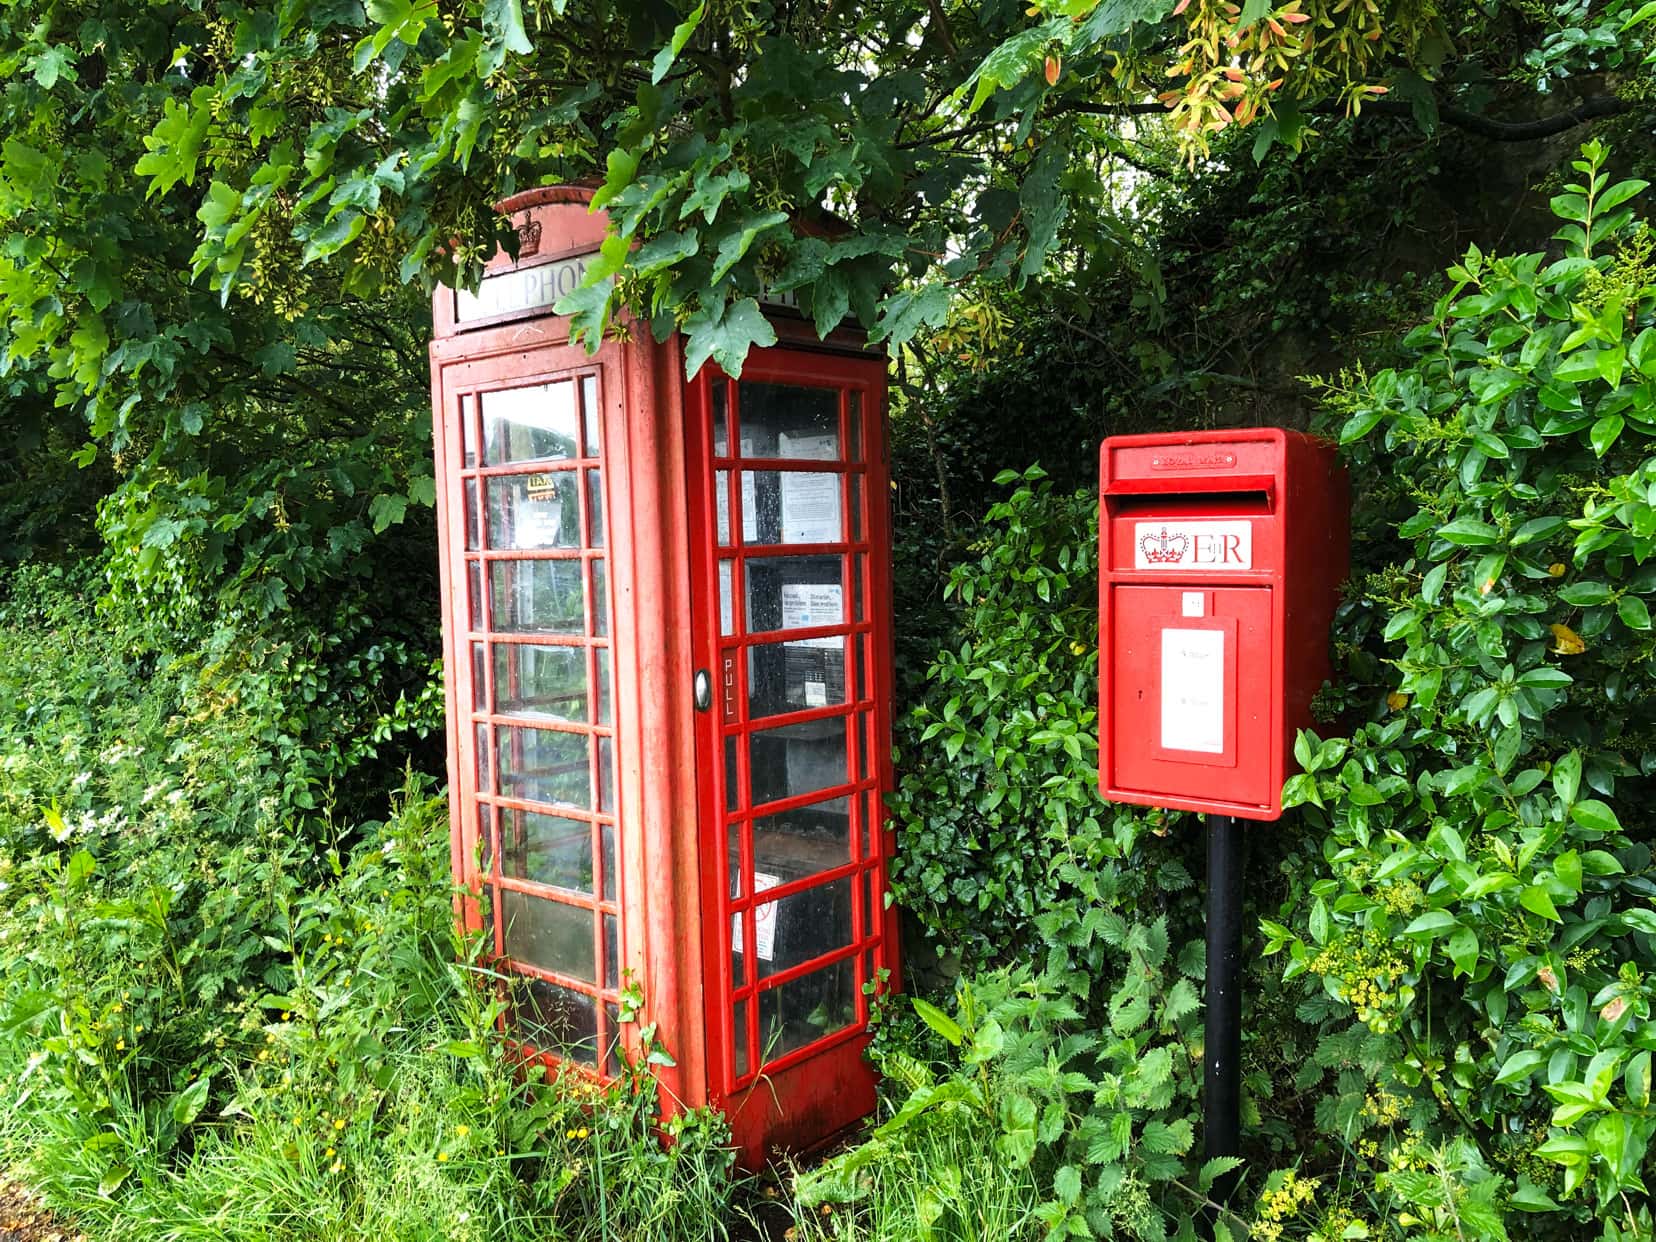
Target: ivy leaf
681,35
506,16
726,338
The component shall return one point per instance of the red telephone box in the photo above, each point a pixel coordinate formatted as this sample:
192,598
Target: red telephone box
1221,555
668,642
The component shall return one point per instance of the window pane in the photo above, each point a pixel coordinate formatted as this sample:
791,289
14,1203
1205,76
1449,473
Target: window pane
474,593
473,538
468,431
485,839
612,1059
600,600
793,592
739,1036
790,677
794,844
612,952
783,420
482,758
802,926
486,914
856,508
532,680
797,759
556,1019
594,415
726,612
595,508
529,424
856,424
480,684
606,841
546,933
547,849
733,857
789,506
604,711
529,511
805,1009
543,597
721,421
543,765
606,775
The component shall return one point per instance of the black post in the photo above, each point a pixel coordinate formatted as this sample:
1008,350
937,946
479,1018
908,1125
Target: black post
1222,1068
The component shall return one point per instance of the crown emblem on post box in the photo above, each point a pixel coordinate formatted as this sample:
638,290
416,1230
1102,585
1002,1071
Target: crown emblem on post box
1164,549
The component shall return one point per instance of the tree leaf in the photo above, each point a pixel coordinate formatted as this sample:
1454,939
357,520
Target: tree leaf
727,338
681,35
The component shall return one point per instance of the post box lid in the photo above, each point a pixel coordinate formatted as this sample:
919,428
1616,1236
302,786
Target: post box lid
1243,459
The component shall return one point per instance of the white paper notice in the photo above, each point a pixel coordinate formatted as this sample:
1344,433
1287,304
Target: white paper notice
1193,690
750,502
811,508
764,920
810,605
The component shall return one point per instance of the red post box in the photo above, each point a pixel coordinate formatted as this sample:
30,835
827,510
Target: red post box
668,651
1221,556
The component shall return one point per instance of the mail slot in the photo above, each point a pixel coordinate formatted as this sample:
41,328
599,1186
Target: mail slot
1221,556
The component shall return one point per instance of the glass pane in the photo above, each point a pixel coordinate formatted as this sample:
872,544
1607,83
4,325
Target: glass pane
468,431
600,600
532,680
790,506
876,904
733,858
474,593
739,1036
480,683
543,765
482,758
595,508
794,844
606,842
750,508
856,508
783,420
856,424
556,1019
726,611
733,783
859,666
859,567
805,1009
603,685
790,677
802,926
606,775
612,1026
873,822
529,424
486,915
542,597
528,511
546,933
485,839
797,759
473,539
721,419
547,849
612,952
793,592
594,415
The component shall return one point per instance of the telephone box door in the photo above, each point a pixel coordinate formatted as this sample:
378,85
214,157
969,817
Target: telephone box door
791,595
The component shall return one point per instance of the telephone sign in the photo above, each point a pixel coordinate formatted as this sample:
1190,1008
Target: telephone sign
1220,561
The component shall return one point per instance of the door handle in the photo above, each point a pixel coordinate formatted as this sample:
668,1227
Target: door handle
702,689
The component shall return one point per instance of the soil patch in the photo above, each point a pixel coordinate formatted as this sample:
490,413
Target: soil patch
23,1218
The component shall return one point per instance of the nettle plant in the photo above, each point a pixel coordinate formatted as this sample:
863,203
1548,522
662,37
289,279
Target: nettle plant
1483,899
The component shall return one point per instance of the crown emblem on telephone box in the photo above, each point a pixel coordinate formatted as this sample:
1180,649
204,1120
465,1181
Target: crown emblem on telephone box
1164,549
